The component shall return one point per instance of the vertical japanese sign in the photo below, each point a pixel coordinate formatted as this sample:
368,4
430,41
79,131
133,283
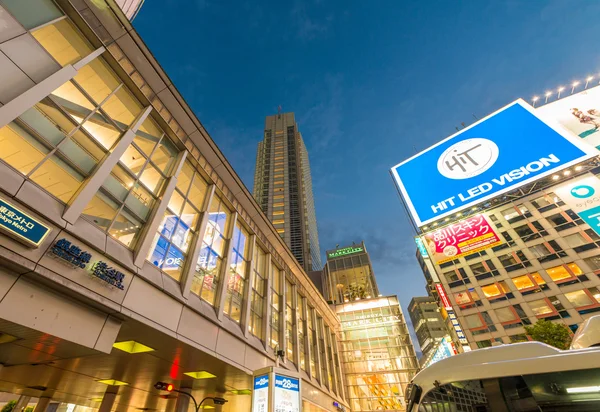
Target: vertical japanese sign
459,332
260,395
443,296
462,238
582,195
287,394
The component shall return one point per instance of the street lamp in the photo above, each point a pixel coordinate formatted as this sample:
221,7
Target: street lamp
163,386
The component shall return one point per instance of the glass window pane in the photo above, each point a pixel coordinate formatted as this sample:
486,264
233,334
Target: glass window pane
190,215
167,226
158,250
48,122
182,236
101,130
63,42
73,101
97,79
125,228
473,321
176,202
20,149
133,159
32,13
491,290
538,279
152,178
58,178
558,273
140,201
185,177
523,282
165,155
540,307
101,210
122,107
173,264
197,191
579,298
82,152
505,315
118,183
147,136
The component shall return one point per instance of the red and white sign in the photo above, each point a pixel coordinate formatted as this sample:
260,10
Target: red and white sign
462,238
443,296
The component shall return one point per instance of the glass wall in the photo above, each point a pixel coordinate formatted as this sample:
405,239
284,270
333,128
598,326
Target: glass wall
276,275
180,222
300,307
240,255
125,200
257,298
322,350
289,321
312,342
208,266
351,278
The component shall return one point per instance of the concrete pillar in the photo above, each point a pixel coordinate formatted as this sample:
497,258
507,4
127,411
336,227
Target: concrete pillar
21,403
183,401
266,321
108,399
93,183
192,258
42,404
17,106
246,311
140,253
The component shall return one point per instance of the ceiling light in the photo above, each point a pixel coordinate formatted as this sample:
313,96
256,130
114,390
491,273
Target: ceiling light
96,399
555,177
206,407
200,375
459,214
567,172
474,208
241,392
131,346
6,338
535,98
447,219
578,168
548,94
112,382
584,389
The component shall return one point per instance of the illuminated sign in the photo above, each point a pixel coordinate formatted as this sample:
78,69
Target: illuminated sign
260,395
463,238
497,154
21,226
370,319
582,195
456,325
345,251
443,296
77,258
421,247
287,394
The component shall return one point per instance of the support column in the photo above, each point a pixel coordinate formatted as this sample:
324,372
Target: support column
266,320
17,106
108,399
42,404
246,301
222,287
21,403
93,183
140,253
295,326
307,347
187,276
183,401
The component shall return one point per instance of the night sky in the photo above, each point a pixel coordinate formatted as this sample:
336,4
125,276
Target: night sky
371,83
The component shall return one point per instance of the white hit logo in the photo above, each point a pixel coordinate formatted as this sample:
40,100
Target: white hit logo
468,158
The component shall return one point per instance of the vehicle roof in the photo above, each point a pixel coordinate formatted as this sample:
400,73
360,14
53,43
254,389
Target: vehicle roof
506,360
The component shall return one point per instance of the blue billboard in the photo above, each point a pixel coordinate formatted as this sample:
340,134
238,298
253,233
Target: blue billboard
499,153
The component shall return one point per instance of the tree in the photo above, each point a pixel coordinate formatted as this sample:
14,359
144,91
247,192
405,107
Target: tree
553,334
9,406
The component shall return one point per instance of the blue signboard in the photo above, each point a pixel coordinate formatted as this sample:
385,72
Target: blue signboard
21,226
261,382
285,382
501,152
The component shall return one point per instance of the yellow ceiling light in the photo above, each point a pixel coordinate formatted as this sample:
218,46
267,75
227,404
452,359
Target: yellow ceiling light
6,338
200,375
96,399
131,346
112,382
241,392
206,407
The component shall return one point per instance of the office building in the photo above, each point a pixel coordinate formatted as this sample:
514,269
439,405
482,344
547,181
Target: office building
429,325
130,251
510,236
283,188
377,355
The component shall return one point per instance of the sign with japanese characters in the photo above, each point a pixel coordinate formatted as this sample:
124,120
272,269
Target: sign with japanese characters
77,258
509,148
21,226
287,394
462,238
582,195
457,328
443,296
260,394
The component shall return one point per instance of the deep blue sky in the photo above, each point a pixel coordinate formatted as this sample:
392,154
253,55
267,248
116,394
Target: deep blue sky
370,83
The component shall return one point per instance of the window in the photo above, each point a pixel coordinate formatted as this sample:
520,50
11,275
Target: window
180,222
208,266
595,294
564,220
516,213
495,290
240,255
506,315
547,202
322,352
276,274
562,272
32,14
593,262
514,261
579,298
289,319
530,231
541,307
257,298
529,281
462,298
576,239
581,241
125,200
474,321
61,40
547,251
312,342
300,307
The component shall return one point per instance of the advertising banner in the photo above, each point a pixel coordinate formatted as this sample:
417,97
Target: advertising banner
260,395
583,196
462,238
287,394
443,296
579,113
505,150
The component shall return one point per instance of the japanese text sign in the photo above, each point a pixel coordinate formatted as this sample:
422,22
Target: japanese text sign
21,226
462,238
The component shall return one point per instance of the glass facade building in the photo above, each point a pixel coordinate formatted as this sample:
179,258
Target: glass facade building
283,188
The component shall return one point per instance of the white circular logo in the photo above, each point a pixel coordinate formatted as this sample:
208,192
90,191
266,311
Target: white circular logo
450,250
468,158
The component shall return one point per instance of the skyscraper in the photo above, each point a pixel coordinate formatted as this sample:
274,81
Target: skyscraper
283,188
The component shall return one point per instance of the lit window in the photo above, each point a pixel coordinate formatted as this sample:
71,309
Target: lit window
237,273
491,291
575,269
579,298
523,282
63,42
279,204
540,307
278,221
278,212
280,231
277,197
558,273
257,298
278,176
462,298
275,314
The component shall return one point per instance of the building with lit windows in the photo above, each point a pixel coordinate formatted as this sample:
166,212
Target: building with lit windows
283,188
130,251
377,355
510,236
